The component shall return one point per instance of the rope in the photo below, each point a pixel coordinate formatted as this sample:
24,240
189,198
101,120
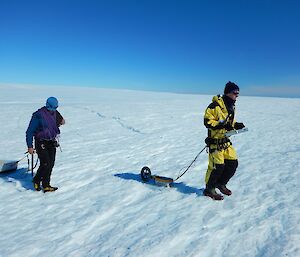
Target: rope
28,162
32,166
191,163
26,155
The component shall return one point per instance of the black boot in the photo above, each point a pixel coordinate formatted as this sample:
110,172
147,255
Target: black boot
224,190
212,194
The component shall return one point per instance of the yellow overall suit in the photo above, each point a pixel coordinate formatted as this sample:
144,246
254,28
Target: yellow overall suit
218,119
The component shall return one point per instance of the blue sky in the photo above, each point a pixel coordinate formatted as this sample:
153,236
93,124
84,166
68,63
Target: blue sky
177,46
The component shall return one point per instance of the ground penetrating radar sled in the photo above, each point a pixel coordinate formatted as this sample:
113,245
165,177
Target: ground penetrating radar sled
159,180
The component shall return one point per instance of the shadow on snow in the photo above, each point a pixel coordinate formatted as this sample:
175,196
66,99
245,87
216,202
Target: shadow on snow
19,176
179,186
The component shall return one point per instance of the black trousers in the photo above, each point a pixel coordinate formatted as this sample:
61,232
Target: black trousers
46,151
222,173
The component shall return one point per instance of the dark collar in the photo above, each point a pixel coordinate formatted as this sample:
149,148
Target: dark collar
229,103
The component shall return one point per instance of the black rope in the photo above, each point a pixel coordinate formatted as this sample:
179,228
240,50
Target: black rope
36,163
31,166
191,163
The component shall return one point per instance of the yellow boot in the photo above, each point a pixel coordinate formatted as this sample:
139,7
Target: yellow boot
49,189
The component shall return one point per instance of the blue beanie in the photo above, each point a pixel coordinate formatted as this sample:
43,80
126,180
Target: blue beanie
51,103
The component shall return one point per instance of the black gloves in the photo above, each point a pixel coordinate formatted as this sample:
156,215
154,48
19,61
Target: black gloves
239,125
228,127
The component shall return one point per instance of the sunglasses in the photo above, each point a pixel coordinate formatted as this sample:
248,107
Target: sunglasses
235,92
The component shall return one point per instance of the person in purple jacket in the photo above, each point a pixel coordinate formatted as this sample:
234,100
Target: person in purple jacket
44,128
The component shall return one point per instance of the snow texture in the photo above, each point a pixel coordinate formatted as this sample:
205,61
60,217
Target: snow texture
102,208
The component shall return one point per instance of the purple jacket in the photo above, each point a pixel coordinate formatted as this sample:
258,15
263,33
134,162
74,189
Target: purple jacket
43,126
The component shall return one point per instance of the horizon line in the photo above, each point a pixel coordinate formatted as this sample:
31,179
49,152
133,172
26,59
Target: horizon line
262,94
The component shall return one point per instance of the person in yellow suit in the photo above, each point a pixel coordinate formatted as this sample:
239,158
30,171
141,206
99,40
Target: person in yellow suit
222,159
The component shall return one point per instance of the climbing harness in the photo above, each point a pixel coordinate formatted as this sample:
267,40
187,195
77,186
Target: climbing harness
217,143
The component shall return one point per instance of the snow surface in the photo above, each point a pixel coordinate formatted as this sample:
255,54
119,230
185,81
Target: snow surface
103,209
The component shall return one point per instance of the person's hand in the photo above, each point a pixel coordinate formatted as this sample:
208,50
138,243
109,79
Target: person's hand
228,127
225,125
30,150
239,125
63,122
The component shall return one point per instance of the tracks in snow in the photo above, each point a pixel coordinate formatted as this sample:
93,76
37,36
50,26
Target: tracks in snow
117,119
